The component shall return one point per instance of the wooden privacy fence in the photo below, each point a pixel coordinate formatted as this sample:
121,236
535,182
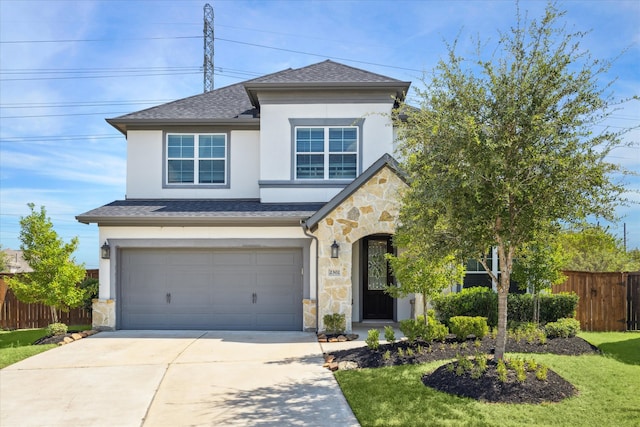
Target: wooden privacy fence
608,301
18,315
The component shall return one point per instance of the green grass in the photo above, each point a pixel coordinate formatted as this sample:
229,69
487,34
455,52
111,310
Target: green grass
18,345
21,337
622,346
609,394
11,355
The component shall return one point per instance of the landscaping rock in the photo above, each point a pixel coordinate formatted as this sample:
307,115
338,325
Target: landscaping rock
347,365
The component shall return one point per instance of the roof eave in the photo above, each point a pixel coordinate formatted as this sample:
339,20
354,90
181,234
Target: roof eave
401,88
186,221
123,125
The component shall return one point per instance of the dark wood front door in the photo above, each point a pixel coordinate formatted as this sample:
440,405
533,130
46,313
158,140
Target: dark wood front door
376,304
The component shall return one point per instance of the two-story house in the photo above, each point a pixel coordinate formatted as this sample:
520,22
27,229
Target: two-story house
261,205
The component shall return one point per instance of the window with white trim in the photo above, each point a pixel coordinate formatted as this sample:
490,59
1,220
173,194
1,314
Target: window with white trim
326,152
197,159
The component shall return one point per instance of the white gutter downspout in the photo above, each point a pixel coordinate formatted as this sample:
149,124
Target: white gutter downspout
305,229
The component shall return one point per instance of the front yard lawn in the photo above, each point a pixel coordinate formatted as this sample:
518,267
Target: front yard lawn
608,392
18,345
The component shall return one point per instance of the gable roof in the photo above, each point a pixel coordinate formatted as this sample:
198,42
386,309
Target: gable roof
238,104
326,75
385,161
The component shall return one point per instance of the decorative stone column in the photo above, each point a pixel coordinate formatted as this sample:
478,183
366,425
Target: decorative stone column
103,314
309,315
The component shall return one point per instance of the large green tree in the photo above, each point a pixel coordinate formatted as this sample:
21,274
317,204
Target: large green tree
502,149
55,276
593,248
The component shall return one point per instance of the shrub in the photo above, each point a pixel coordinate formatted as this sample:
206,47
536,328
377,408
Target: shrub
557,306
434,331
409,328
389,334
414,329
334,323
563,328
90,285
541,373
373,339
501,369
476,301
463,326
528,331
57,329
481,301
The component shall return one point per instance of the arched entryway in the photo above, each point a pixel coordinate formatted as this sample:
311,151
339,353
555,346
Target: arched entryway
374,276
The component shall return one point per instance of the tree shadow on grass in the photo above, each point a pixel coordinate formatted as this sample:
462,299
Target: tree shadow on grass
627,351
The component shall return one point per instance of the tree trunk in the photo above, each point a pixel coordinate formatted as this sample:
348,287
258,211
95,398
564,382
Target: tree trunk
54,315
501,339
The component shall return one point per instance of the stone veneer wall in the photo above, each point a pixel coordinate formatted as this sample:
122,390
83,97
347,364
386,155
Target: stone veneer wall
103,314
372,209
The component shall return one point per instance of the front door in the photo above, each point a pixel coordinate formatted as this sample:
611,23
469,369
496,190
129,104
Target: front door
376,304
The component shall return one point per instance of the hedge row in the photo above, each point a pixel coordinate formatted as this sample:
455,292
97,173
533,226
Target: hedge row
481,301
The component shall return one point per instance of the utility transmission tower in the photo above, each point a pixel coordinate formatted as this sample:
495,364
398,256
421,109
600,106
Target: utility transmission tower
208,48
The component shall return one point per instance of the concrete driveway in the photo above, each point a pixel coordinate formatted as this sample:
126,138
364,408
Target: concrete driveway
175,378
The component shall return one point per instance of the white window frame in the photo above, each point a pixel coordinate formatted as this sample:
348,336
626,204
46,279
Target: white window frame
326,153
196,160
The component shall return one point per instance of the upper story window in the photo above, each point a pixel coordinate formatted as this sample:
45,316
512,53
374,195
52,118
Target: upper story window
326,152
197,159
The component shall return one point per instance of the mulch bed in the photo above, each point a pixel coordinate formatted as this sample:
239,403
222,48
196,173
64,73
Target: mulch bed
487,388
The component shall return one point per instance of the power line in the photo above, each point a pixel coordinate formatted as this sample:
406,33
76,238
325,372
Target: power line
82,104
96,40
318,55
100,77
66,115
22,139
90,70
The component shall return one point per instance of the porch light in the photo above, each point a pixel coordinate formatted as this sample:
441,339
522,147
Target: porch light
105,251
335,249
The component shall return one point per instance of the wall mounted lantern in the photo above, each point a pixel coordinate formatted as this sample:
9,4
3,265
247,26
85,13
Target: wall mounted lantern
105,251
335,249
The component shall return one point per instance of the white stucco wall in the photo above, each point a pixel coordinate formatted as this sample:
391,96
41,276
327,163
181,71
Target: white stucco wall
276,160
145,163
298,194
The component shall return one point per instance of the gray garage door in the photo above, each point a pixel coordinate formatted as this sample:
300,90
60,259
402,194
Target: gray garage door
243,289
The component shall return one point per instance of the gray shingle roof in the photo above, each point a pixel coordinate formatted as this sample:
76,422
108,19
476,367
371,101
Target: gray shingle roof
238,103
325,72
227,102
159,211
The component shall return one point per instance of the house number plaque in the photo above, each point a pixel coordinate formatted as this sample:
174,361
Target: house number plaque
334,272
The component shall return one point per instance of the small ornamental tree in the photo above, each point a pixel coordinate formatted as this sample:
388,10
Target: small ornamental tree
503,149
537,267
55,277
420,270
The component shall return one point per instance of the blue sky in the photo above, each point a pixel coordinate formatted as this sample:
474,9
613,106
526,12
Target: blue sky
65,66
